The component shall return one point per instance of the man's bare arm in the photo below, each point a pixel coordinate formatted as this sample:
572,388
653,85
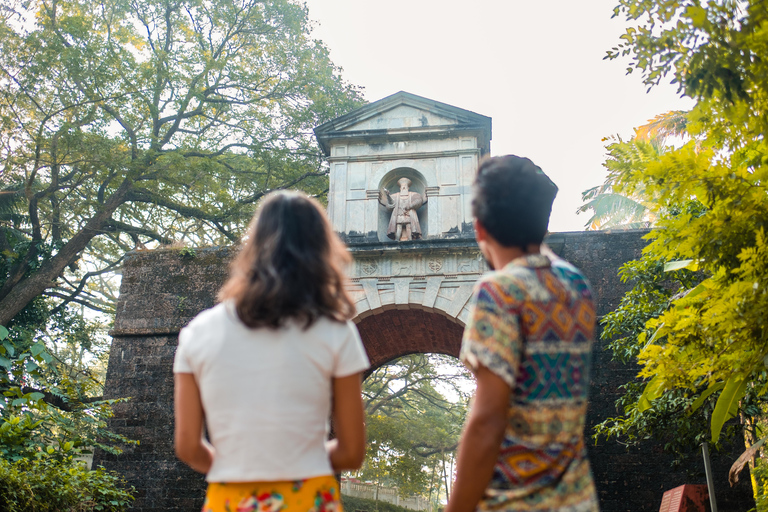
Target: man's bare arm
480,442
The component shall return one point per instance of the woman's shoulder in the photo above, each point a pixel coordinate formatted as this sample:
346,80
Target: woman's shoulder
331,331
325,323
212,318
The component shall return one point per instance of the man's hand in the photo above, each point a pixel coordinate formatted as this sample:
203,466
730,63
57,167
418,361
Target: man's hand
481,441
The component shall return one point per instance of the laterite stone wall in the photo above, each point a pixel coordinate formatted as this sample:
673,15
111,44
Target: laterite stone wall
162,290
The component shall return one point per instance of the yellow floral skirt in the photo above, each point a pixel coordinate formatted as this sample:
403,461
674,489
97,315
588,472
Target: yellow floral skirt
319,494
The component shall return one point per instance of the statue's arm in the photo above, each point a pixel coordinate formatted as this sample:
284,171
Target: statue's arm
417,200
385,199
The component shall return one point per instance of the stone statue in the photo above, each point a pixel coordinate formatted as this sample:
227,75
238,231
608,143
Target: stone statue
404,223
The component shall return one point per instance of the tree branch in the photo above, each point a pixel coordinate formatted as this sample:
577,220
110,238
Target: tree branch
62,403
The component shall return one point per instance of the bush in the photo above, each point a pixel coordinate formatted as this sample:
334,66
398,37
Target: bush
47,485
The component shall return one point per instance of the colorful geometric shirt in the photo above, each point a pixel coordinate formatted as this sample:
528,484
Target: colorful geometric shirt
533,324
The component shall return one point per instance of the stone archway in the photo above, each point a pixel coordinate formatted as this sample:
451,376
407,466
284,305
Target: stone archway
411,296
394,333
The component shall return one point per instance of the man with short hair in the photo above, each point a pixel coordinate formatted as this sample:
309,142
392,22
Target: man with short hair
528,341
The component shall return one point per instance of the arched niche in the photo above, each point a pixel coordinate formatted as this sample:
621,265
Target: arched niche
418,184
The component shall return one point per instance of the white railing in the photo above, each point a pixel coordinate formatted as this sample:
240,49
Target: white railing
380,493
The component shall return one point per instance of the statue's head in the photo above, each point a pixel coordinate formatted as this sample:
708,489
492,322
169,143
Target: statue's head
404,184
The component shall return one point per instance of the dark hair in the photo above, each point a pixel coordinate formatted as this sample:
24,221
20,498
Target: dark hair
512,198
291,265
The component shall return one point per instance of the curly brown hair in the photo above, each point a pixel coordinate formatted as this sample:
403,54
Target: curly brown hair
290,266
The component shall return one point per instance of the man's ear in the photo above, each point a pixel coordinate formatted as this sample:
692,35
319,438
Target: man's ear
481,234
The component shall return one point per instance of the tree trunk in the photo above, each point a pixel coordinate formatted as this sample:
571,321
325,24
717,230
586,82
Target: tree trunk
432,482
445,479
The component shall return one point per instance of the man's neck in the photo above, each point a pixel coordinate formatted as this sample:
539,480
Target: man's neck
500,256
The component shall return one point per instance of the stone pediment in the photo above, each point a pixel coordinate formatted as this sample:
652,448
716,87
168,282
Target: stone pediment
404,114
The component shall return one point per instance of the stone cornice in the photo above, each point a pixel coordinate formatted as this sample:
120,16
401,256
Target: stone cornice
422,155
426,246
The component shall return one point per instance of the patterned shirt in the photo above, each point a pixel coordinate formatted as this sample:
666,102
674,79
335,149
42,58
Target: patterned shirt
533,323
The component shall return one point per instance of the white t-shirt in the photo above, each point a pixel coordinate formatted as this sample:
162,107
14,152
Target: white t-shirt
267,392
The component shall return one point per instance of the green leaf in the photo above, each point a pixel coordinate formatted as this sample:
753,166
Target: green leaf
36,396
728,403
700,400
701,288
36,349
9,348
31,367
652,391
4,361
653,337
681,264
3,332
697,15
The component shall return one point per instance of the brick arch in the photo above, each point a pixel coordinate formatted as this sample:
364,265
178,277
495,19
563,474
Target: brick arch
395,333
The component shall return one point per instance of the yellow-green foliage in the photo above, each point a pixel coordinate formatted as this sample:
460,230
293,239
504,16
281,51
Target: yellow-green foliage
710,199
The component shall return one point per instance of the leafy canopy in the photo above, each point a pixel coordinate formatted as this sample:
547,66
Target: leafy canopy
611,209
701,337
124,123
415,409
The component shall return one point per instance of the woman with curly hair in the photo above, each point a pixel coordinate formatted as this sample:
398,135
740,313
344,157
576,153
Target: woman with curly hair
265,369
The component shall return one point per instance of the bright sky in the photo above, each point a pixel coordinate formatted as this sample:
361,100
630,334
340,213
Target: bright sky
535,67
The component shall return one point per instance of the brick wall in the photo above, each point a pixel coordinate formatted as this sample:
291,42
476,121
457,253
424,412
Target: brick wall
398,332
162,290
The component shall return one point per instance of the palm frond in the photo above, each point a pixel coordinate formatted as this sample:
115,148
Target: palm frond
663,126
611,211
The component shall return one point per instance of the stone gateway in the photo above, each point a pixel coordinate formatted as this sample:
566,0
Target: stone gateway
411,295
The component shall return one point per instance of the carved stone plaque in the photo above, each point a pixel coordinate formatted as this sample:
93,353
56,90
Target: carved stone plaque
369,267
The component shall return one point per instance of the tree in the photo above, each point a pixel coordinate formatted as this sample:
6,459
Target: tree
126,122
704,339
613,210
415,409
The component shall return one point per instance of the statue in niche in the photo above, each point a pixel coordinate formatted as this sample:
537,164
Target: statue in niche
404,222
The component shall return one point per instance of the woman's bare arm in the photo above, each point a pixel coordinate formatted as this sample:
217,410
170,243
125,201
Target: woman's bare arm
189,443
347,451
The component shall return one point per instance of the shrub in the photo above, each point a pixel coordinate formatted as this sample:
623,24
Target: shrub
48,485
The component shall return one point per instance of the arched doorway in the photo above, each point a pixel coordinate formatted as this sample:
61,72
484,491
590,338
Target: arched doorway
416,396
389,334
